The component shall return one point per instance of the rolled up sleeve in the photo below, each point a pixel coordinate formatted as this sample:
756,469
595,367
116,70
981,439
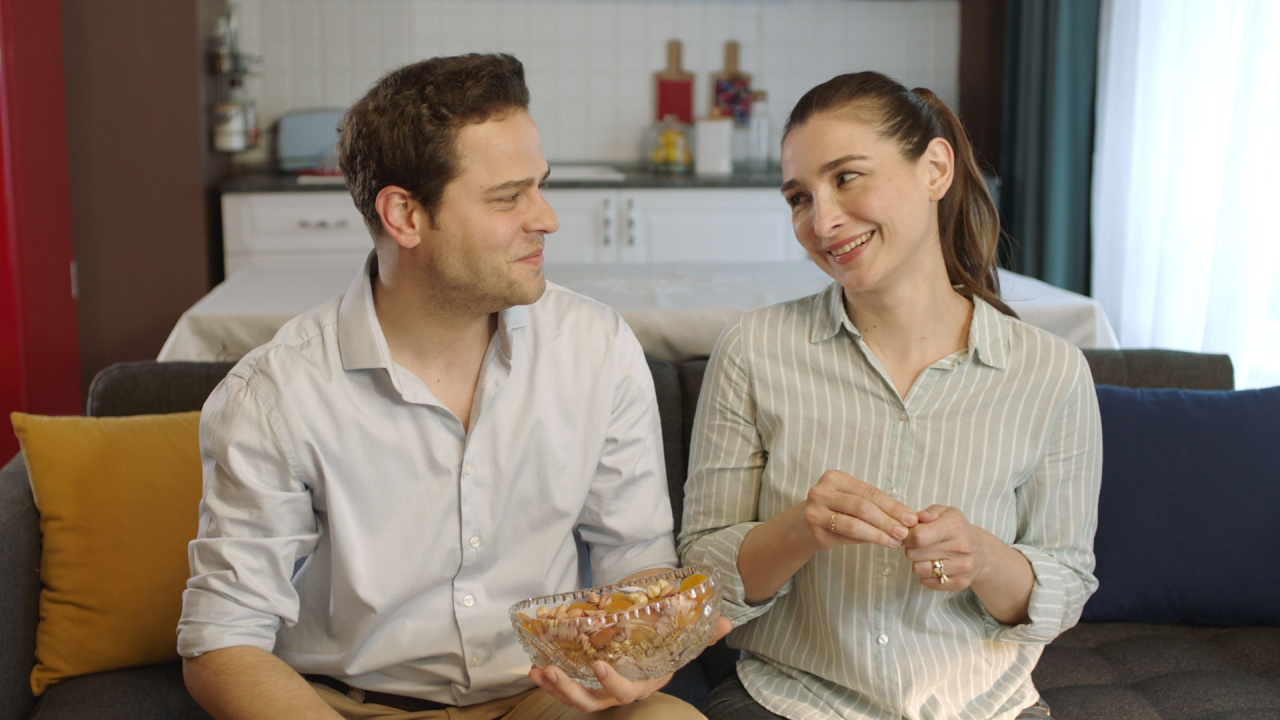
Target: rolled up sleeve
1058,516
256,521
727,462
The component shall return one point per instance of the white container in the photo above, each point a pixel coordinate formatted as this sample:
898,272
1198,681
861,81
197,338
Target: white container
758,129
713,146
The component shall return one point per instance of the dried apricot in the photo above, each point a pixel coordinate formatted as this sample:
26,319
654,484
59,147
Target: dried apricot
619,603
692,581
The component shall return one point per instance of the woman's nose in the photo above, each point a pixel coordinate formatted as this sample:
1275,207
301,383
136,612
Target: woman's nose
828,216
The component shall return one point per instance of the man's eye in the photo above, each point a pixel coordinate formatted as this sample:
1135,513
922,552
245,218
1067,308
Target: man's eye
796,200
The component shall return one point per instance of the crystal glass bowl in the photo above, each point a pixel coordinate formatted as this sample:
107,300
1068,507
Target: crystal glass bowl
644,628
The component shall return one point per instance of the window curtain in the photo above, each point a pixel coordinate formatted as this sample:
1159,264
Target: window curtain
1186,237
1047,137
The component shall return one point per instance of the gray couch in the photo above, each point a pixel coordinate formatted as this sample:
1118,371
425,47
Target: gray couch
1127,671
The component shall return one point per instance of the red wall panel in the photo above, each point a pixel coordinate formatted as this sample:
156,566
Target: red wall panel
40,358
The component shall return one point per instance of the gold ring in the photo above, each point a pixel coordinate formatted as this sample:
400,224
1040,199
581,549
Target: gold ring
943,579
937,570
831,526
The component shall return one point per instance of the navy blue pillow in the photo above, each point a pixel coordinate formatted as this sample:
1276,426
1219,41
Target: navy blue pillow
1189,514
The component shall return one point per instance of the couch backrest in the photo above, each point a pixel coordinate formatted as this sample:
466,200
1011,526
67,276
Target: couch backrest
1161,369
147,386
156,387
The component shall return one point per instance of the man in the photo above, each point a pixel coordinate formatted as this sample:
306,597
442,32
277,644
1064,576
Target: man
396,467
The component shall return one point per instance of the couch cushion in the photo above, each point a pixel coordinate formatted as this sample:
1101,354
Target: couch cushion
1137,671
154,691
118,500
1181,531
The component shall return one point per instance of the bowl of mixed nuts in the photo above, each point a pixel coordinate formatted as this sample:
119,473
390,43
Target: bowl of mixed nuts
645,627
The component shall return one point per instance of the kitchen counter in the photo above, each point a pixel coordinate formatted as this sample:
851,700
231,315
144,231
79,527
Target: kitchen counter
632,176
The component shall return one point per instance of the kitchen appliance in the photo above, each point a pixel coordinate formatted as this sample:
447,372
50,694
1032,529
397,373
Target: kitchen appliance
307,141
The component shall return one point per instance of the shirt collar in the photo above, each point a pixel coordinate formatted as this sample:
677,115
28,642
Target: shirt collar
989,334
361,341
988,331
829,315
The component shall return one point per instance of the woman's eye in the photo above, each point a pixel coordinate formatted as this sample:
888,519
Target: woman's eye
845,177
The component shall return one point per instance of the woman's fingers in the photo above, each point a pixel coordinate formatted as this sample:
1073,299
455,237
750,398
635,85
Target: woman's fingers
853,527
940,550
849,508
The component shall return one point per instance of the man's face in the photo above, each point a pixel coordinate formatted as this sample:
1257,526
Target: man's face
484,252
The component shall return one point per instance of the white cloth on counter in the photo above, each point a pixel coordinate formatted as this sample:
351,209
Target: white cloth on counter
677,310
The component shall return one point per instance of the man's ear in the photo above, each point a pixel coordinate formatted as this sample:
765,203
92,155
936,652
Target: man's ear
939,162
403,218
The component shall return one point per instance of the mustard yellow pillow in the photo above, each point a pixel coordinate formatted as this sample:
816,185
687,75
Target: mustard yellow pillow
118,501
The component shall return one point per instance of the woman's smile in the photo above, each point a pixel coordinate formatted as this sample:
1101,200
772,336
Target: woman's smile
844,251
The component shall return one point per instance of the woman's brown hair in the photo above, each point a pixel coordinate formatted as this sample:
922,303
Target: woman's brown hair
967,217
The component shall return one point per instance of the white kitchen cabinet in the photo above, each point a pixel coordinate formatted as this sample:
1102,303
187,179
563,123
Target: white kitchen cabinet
632,225
280,229
685,225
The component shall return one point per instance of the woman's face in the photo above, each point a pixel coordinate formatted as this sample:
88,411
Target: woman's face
865,215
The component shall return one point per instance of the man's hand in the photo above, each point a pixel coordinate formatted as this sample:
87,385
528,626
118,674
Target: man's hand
615,690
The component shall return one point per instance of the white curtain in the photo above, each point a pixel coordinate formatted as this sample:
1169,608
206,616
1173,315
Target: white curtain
1186,180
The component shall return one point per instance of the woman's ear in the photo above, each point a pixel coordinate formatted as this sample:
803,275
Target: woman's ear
939,163
403,218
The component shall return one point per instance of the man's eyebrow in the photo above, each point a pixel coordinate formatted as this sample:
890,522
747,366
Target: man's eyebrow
518,184
788,185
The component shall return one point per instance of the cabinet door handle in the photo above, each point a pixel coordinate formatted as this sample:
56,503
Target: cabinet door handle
607,238
321,224
631,222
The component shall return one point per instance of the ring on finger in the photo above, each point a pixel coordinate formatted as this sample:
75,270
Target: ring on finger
831,526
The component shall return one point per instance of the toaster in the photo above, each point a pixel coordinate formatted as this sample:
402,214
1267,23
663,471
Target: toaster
306,140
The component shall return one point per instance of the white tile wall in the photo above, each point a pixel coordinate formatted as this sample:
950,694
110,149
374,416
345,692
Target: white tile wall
590,63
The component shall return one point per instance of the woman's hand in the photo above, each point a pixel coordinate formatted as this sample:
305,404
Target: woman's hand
615,690
842,509
945,551
969,556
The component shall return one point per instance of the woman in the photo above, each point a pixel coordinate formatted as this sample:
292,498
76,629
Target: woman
897,479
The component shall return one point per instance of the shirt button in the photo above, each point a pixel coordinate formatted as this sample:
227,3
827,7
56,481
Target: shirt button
893,489
468,600
885,571
475,661
475,542
902,415
883,639
467,469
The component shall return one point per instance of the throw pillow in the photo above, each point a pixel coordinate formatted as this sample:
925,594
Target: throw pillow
1186,522
119,501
